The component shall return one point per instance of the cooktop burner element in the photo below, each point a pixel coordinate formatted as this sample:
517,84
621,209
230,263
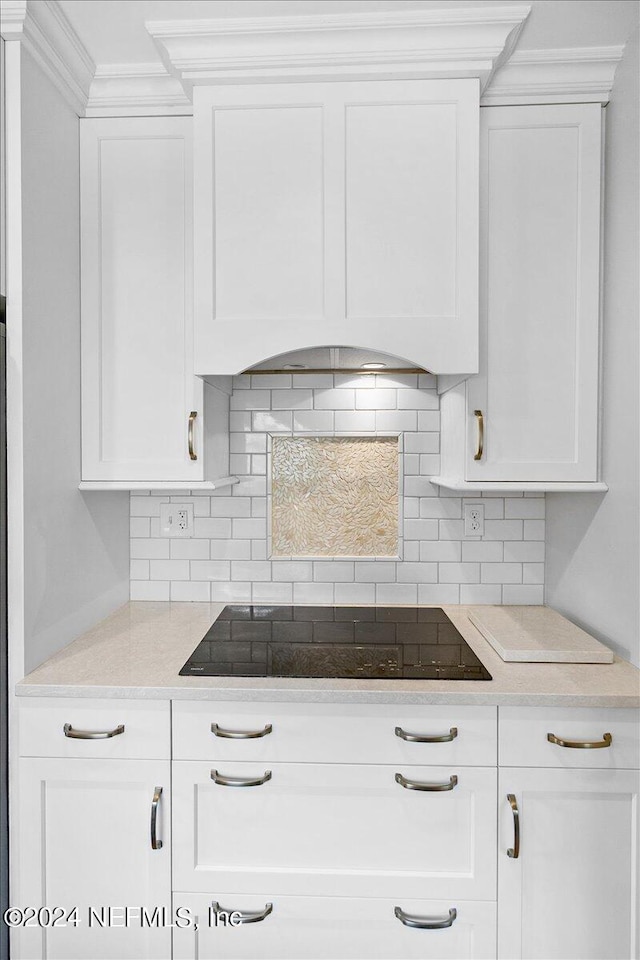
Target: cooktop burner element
411,643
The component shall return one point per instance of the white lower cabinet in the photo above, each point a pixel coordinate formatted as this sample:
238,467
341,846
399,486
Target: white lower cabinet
86,839
343,829
332,927
571,892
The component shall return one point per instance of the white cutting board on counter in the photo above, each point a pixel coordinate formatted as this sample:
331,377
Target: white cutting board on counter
536,635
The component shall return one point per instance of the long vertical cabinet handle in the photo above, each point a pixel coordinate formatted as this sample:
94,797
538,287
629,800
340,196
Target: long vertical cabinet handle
514,851
192,419
480,447
155,803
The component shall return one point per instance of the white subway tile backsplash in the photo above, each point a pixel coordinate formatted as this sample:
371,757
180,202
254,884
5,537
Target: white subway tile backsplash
227,559
396,593
293,570
355,421
485,551
278,421
417,572
376,399
139,569
522,593
392,421
210,570
251,570
188,549
436,593
313,421
480,593
524,509
193,590
250,400
313,593
459,572
355,593
149,549
371,571
501,573
524,551
299,399
149,590
334,400
534,529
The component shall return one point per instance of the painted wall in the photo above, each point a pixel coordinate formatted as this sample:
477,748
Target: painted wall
593,568
75,546
228,558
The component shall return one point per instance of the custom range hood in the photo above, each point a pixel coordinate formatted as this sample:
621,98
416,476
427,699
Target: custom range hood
335,360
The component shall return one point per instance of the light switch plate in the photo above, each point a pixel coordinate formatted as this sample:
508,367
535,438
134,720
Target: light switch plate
176,519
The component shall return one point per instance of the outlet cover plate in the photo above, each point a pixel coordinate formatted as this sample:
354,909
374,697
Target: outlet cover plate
474,519
176,519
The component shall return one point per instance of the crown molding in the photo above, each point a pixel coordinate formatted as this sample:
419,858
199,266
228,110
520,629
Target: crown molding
48,36
418,44
136,89
565,75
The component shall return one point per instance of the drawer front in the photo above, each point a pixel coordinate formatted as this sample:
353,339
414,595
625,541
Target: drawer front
335,829
62,727
335,733
524,741
334,929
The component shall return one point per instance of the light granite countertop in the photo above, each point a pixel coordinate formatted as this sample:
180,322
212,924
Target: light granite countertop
138,651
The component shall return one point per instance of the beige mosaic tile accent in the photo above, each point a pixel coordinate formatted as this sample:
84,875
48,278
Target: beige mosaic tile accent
334,496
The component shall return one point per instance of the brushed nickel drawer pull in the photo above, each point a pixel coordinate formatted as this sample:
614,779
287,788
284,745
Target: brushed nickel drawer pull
480,447
419,738
240,734
424,923
244,917
192,419
73,734
224,781
431,787
606,741
155,803
514,851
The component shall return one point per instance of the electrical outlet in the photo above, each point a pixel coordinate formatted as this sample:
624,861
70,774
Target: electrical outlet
474,519
176,519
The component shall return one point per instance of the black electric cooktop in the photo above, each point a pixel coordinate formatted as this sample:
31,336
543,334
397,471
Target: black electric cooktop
411,643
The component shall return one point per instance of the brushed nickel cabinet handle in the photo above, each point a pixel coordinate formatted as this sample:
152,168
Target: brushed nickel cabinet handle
192,419
425,923
242,917
430,787
155,803
480,447
240,734
74,734
419,738
514,851
224,781
606,741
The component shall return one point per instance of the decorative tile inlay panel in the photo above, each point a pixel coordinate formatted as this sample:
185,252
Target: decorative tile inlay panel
334,496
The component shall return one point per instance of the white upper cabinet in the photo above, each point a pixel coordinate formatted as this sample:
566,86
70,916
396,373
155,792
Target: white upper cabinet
531,415
337,214
138,386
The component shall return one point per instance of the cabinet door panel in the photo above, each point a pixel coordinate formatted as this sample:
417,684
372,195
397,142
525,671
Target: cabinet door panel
572,891
138,386
311,928
85,842
339,829
539,282
337,214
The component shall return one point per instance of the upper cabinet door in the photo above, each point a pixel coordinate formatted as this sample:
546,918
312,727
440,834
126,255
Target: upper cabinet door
337,214
539,297
138,387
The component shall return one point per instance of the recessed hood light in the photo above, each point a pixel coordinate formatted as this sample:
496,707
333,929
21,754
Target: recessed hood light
373,366
295,366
